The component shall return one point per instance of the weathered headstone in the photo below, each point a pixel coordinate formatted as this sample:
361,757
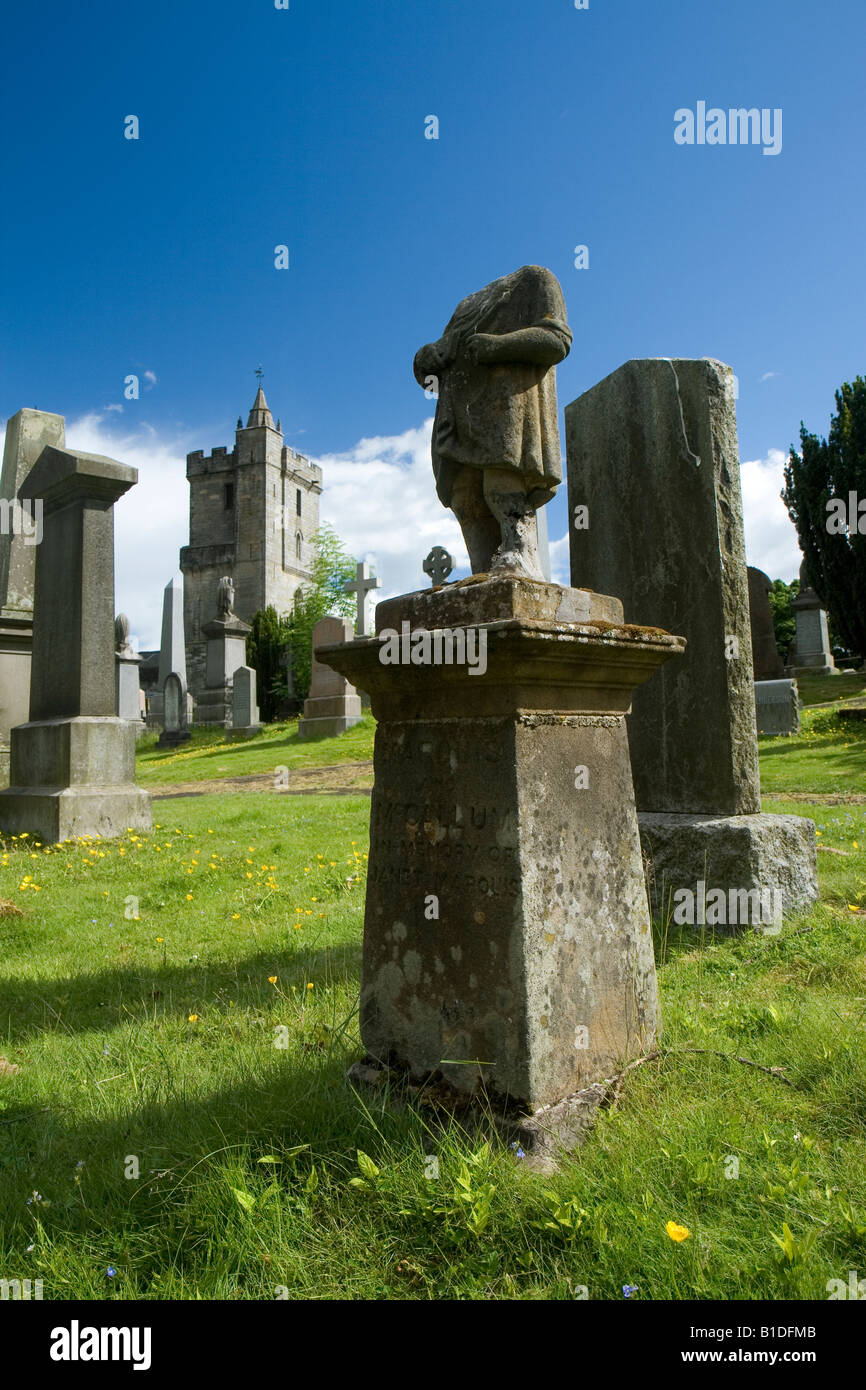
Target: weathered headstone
127,682
777,706
766,661
174,715
172,649
226,651
811,653
73,763
363,586
507,944
654,496
245,711
333,705
27,434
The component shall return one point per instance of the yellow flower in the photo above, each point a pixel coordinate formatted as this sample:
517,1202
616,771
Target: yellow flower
189,897
160,938
272,979
193,1018
309,986
853,908
677,1233
854,844
236,916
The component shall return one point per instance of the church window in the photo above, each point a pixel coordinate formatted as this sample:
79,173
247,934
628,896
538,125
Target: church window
298,501
229,496
298,546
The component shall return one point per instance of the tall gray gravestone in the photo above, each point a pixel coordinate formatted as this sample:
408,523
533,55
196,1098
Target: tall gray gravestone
656,517
73,762
333,705
507,943
27,434
172,648
811,653
766,661
245,711
174,715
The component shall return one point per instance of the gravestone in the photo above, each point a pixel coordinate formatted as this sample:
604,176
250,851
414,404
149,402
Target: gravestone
27,434
507,943
73,762
438,564
777,706
811,653
333,705
654,498
245,711
363,586
127,684
174,714
226,651
172,648
766,661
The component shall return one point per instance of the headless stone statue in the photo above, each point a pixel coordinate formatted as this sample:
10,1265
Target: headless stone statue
226,597
496,454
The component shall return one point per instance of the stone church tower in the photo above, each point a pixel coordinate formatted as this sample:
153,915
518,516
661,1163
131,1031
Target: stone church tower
253,514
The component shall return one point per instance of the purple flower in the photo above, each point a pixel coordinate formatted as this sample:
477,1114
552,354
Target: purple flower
111,1271
628,1290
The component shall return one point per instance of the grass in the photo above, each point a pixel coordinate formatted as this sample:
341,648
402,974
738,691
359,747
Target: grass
209,754
179,1125
827,757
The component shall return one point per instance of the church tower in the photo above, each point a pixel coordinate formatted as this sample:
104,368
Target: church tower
253,514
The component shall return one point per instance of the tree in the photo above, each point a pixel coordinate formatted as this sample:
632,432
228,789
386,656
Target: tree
818,484
325,595
781,596
266,644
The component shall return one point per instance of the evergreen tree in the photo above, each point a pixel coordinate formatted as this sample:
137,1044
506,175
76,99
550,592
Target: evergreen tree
266,643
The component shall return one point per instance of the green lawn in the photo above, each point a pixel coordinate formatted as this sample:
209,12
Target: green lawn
828,757
179,1114
209,754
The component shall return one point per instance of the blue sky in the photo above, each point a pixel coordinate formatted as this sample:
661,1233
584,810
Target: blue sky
305,127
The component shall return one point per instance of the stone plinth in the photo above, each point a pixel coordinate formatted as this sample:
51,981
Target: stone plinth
245,711
333,705
72,763
777,706
507,940
226,651
761,853
128,689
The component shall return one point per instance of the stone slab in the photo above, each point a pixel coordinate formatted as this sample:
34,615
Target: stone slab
67,812
763,852
777,707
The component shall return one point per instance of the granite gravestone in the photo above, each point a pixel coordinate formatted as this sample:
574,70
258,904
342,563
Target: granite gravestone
245,711
507,944
766,661
27,434
777,706
73,763
174,730
172,647
654,496
333,705
811,653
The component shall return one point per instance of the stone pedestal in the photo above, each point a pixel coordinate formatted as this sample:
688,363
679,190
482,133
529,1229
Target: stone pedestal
226,651
333,705
811,654
507,942
128,689
73,763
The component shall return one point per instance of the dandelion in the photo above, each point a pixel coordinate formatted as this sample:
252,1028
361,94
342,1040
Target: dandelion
193,1018
189,897
309,986
677,1233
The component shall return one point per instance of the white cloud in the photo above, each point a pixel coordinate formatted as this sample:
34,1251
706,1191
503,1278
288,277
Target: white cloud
771,538
151,377
560,560
380,498
768,376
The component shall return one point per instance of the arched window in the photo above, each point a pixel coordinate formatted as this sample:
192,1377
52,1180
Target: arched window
298,546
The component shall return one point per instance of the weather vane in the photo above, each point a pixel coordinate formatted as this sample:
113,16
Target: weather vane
259,374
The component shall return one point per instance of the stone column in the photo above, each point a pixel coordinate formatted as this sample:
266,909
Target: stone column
172,648
27,433
507,943
656,512
73,763
226,651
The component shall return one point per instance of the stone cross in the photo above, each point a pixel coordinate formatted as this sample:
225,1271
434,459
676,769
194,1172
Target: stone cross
438,565
363,584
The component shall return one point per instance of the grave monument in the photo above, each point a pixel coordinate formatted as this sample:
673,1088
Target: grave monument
333,705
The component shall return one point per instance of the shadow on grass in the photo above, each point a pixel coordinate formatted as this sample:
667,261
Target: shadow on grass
137,994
